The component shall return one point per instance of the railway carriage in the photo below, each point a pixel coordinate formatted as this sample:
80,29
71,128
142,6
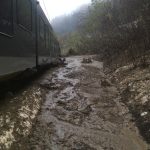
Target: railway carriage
26,36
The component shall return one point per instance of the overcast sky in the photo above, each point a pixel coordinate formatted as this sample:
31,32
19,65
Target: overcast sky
60,7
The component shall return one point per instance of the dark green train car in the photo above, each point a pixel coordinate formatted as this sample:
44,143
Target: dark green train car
26,36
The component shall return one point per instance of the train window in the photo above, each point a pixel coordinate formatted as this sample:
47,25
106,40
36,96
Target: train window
50,42
50,39
46,36
24,8
42,29
6,17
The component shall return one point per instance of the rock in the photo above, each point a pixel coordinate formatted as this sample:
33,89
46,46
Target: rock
82,146
87,60
124,68
144,99
144,114
105,82
87,110
38,93
61,103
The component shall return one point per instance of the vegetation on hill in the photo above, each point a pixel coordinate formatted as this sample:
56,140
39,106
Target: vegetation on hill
117,30
67,28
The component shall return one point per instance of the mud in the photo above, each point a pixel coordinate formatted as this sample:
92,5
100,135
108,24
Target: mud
83,114
134,86
17,116
81,110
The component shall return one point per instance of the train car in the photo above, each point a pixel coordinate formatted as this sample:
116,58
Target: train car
26,36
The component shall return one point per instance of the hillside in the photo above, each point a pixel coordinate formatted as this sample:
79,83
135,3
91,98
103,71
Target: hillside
66,24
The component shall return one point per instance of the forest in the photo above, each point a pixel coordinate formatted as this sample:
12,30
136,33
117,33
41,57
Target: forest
117,30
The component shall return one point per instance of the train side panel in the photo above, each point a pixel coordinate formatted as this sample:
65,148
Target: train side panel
26,36
17,37
43,37
46,40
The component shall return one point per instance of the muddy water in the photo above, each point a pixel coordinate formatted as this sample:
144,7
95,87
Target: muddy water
78,112
81,114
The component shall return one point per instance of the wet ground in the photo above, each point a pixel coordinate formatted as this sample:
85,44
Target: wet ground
70,108
134,86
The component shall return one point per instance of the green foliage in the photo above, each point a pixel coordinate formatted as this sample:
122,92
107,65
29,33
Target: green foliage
118,29
67,29
115,29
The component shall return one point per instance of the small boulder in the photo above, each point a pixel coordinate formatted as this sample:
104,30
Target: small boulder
87,60
105,82
144,114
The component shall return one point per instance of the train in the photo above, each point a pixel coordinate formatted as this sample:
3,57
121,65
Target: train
27,38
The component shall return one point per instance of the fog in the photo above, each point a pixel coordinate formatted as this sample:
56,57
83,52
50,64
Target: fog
54,8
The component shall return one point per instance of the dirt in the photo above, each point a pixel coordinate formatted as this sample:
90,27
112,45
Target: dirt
81,110
134,87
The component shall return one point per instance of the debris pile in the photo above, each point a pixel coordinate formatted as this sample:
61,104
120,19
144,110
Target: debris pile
87,60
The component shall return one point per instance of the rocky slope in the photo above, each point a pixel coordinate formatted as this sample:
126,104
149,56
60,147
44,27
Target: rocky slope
134,86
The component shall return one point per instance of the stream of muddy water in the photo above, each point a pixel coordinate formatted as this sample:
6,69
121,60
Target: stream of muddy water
69,108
